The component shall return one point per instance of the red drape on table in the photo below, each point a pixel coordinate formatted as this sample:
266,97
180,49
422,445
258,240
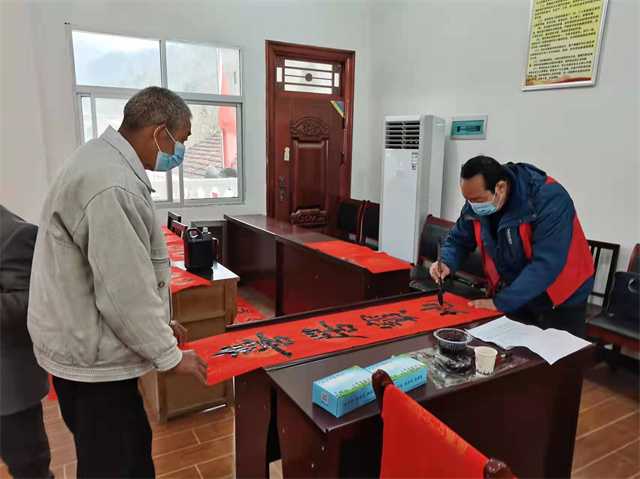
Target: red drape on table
238,352
374,261
416,444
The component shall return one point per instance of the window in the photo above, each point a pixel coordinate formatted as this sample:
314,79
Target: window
109,69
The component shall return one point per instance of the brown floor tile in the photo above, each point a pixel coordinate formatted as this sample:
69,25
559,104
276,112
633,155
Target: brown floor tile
58,434
614,466
214,430
71,470
193,455
52,414
593,446
621,381
58,472
632,454
275,470
218,468
63,455
188,473
191,421
605,413
173,442
594,396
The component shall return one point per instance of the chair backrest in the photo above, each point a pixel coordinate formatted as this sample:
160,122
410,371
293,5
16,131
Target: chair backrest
349,219
634,262
605,261
417,444
178,228
624,301
171,217
370,232
435,230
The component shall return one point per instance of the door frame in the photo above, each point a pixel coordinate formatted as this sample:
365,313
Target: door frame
305,52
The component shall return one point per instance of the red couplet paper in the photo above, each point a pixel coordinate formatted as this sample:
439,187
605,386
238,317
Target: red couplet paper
238,352
374,261
246,312
415,443
181,279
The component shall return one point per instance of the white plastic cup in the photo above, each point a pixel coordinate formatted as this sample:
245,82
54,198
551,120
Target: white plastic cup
485,360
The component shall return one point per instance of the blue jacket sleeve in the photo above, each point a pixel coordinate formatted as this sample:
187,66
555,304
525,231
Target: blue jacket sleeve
459,244
552,231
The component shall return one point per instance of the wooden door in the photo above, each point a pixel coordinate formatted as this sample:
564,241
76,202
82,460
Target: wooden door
309,131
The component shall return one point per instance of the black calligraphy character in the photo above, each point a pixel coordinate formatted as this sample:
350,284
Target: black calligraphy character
445,309
387,320
332,332
264,343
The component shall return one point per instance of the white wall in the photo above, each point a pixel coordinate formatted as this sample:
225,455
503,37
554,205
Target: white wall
23,166
243,23
459,57
439,56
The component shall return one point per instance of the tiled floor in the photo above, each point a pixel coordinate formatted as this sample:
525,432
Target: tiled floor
201,445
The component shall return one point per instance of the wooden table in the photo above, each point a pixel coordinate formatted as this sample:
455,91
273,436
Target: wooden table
525,416
272,257
203,311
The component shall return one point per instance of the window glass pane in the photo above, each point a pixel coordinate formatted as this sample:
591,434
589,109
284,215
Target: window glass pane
87,118
194,68
307,65
109,111
158,181
115,61
210,165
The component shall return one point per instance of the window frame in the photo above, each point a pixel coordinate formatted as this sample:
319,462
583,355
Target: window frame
93,92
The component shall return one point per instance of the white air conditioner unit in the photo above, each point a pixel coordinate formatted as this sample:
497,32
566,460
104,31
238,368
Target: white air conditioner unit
412,177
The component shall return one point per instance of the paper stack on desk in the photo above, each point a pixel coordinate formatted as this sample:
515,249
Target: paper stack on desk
550,344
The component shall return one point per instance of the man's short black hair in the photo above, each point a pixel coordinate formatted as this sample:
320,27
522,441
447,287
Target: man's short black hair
490,169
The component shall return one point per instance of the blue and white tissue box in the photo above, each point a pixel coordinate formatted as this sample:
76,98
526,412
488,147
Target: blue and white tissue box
344,391
406,373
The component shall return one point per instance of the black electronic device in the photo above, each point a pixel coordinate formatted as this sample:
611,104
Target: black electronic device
200,249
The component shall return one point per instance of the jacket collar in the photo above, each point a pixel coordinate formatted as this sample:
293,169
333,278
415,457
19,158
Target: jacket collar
125,149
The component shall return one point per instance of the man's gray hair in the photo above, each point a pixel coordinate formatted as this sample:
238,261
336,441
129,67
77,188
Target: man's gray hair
155,106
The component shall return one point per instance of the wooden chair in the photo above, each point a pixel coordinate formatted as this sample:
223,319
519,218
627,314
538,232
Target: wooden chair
469,281
634,262
171,217
424,432
618,324
349,219
370,226
602,275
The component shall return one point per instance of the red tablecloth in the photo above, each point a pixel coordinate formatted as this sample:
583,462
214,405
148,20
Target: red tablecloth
374,261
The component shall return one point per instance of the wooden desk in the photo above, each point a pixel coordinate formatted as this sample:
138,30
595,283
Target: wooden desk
525,416
203,311
271,256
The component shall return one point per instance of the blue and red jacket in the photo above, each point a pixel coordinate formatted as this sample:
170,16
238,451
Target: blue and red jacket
539,258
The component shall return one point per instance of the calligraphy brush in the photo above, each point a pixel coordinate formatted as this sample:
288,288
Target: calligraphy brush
440,282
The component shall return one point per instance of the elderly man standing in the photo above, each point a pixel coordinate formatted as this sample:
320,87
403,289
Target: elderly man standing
99,312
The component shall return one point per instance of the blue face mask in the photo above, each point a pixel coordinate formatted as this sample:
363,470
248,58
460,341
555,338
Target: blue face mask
483,209
165,161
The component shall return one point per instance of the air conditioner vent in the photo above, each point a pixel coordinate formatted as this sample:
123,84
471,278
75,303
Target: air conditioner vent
402,135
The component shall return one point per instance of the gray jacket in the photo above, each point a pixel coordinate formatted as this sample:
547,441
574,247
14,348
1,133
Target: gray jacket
22,382
99,308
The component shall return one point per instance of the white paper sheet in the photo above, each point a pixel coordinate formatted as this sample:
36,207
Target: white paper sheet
550,344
